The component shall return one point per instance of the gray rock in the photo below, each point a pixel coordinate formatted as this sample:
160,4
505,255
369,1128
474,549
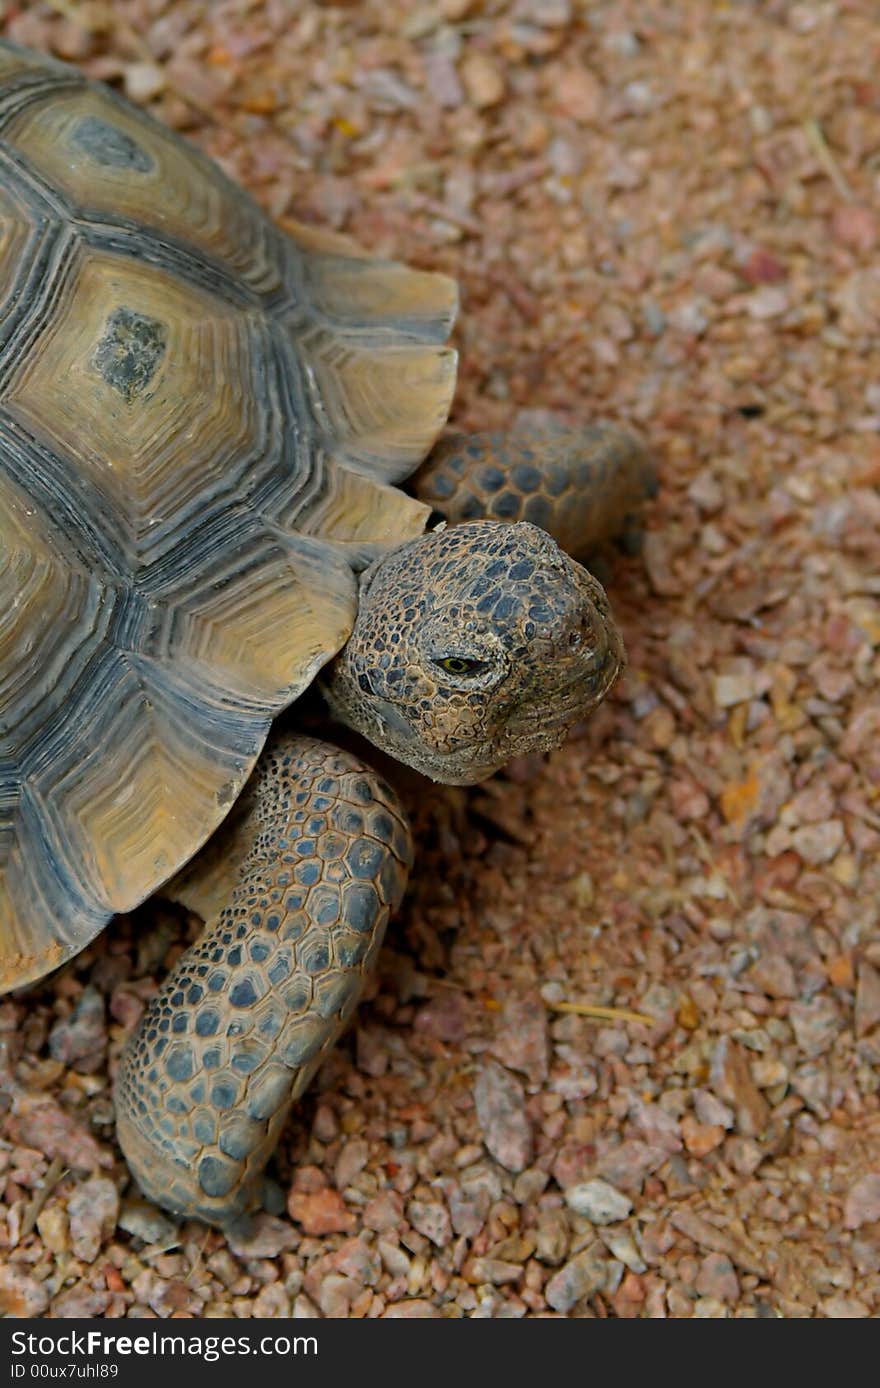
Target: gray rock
93,1209
598,1201
80,1040
501,1113
583,1275
142,1219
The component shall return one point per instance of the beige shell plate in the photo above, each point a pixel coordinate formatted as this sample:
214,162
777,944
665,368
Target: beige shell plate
199,418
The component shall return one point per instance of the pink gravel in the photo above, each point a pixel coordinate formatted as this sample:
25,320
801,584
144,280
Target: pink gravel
667,215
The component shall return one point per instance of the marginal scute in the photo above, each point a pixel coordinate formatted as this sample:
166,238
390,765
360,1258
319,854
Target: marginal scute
200,419
319,240
386,407
364,296
351,509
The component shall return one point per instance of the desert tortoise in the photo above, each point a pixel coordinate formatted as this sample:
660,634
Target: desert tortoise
202,422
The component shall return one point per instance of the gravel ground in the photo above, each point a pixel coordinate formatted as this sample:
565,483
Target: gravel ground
669,214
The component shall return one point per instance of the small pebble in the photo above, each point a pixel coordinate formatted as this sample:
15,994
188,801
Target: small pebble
578,94
816,1024
701,1138
54,1226
320,1212
431,1219
501,1113
384,1212
21,1296
80,1040
483,80
819,843
552,1237
521,1040
580,1278
271,1301
856,227
767,303
351,1161
710,1110
93,1210
862,1204
146,1222
79,1302
415,1309
867,1015
143,81
262,1236
598,1201
717,1278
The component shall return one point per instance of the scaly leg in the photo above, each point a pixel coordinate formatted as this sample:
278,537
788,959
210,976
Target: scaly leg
249,1012
582,485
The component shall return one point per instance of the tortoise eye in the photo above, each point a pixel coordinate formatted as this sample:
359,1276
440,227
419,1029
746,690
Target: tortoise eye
460,665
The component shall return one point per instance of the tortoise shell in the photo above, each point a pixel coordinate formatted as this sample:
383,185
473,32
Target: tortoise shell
200,421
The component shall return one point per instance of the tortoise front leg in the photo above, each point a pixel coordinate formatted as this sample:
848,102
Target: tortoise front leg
582,485
249,1012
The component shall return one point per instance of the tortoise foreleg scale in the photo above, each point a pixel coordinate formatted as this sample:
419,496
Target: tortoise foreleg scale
249,1012
583,484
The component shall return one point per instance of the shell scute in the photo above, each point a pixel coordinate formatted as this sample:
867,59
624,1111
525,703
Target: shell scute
200,419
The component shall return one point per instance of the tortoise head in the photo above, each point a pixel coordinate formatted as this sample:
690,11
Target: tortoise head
472,646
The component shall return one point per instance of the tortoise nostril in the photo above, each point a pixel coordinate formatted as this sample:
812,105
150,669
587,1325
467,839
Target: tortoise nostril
574,639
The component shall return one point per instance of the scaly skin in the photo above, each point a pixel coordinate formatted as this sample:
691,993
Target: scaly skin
249,1012
533,626
471,646
582,485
